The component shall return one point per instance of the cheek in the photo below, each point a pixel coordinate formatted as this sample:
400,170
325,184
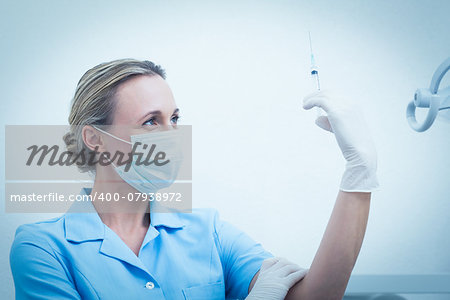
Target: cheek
116,147
118,150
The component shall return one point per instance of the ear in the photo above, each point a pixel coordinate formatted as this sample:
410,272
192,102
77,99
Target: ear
92,138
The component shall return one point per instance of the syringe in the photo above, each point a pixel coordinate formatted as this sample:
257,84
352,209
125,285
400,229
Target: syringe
314,69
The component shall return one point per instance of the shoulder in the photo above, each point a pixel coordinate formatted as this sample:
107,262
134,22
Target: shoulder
39,233
32,249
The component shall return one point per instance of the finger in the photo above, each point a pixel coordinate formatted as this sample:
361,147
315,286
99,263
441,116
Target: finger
288,269
280,264
320,100
324,123
269,262
313,94
295,277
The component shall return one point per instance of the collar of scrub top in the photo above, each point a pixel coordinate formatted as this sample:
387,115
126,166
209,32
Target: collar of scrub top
82,222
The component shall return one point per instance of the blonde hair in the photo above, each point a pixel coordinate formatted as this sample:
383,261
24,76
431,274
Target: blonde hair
93,102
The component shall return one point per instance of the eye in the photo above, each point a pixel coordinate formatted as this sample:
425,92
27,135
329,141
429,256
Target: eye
175,119
150,122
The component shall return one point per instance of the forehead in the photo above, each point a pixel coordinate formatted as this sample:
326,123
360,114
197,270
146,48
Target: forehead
140,95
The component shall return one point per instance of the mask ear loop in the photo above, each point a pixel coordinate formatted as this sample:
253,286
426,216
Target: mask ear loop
111,135
110,161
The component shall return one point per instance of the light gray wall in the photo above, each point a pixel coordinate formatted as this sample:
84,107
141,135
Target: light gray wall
239,70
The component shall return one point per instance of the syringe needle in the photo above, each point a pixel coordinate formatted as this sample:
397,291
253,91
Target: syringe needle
310,43
314,69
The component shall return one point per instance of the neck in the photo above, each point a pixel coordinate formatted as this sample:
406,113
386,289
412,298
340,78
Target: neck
127,214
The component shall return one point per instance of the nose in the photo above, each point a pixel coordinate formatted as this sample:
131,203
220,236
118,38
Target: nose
167,125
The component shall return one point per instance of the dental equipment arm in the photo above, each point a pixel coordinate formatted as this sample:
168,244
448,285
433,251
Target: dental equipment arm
432,98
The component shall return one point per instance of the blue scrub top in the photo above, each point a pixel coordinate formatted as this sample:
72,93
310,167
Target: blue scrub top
183,256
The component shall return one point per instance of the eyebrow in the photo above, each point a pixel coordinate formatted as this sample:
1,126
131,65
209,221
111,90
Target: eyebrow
157,112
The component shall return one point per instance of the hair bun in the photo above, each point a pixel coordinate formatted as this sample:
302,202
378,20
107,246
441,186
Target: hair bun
69,139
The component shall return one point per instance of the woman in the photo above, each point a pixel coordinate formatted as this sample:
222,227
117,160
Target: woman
124,249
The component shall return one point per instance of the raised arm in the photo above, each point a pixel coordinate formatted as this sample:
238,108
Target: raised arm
331,268
334,261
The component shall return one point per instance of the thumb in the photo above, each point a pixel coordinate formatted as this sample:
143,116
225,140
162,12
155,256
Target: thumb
324,123
294,277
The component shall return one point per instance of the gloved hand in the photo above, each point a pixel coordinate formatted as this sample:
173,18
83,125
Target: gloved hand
352,136
276,276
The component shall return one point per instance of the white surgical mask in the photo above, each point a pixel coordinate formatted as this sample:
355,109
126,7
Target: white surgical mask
151,178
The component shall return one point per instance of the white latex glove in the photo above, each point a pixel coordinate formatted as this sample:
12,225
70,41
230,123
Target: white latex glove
276,276
353,137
